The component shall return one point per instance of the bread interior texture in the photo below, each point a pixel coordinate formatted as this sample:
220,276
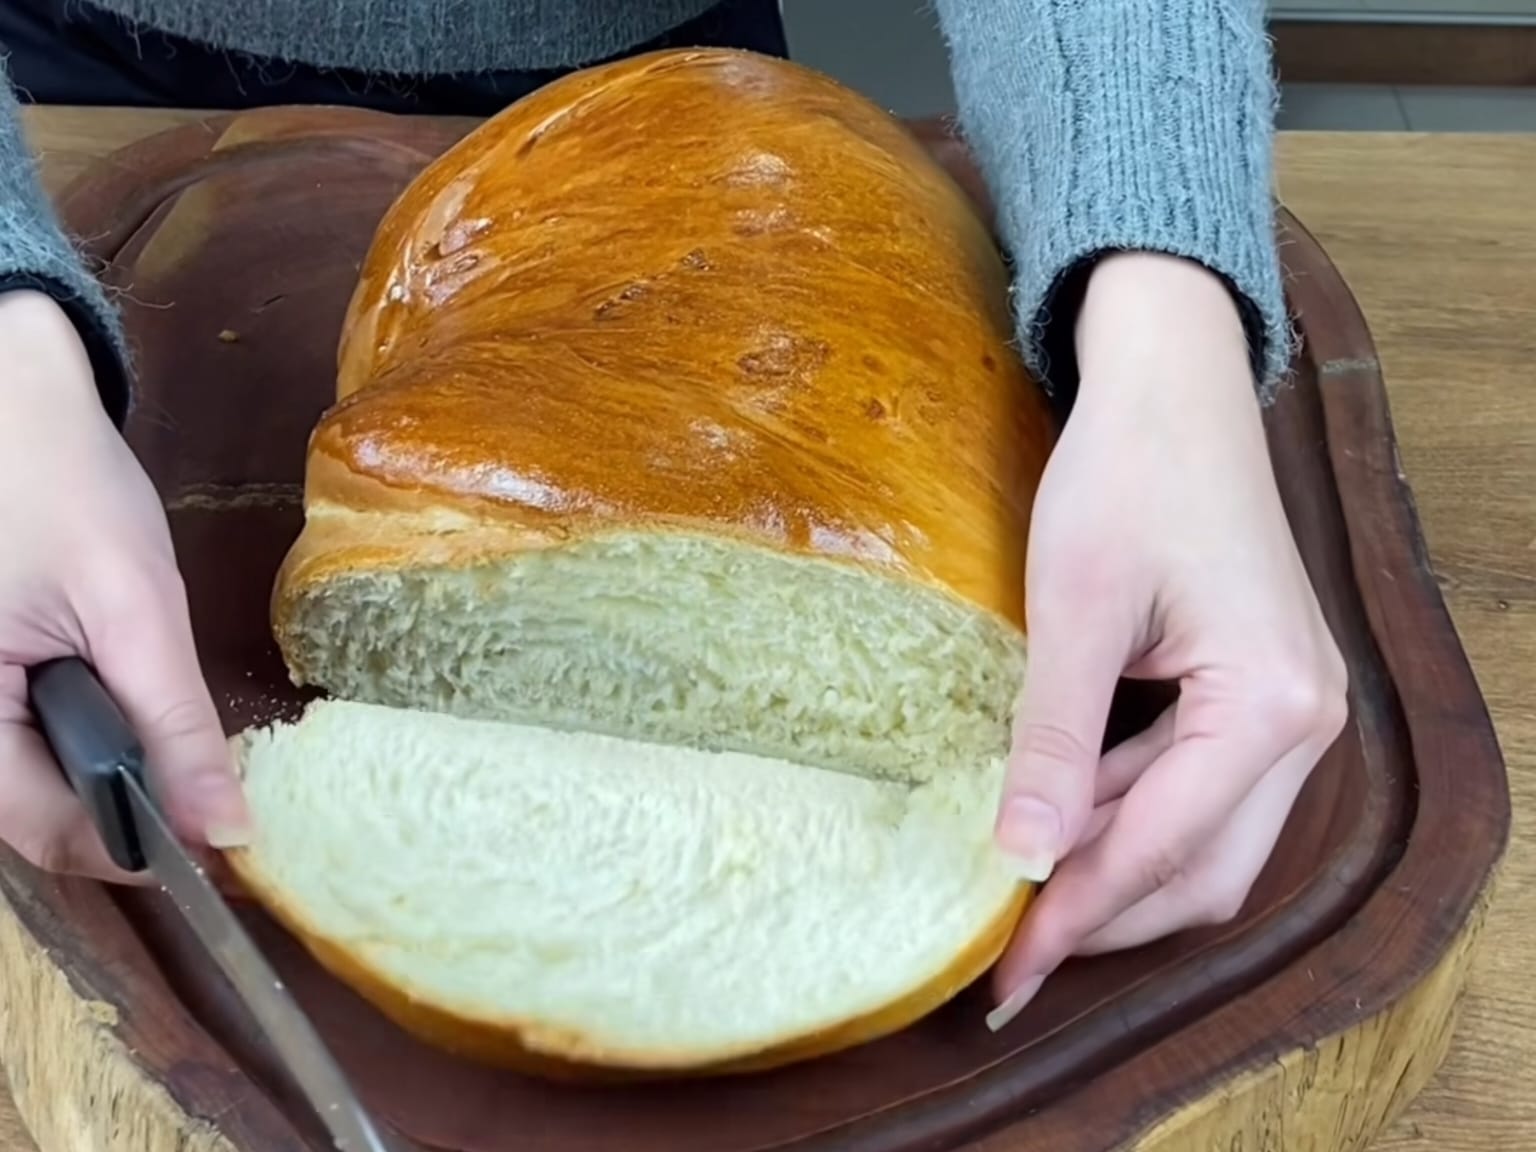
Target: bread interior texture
617,902
679,639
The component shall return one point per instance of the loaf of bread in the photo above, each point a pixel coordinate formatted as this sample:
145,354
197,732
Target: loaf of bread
663,559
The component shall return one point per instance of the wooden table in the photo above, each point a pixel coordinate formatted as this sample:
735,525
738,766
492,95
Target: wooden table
1437,236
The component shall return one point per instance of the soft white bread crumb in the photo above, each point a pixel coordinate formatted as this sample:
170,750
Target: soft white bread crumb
655,906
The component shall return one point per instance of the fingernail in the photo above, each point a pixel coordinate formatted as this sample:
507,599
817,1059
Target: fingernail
222,836
221,807
1029,834
1003,1014
1035,869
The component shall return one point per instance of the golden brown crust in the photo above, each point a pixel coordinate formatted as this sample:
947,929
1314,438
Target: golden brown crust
701,289
538,1048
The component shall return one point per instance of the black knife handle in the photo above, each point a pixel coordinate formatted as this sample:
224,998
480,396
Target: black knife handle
94,744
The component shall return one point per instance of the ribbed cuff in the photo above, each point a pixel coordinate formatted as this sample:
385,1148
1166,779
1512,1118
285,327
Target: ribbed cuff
35,254
1132,125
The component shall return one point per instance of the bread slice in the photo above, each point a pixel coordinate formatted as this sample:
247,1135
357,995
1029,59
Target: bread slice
546,899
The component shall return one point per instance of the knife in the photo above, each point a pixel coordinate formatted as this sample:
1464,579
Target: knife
104,762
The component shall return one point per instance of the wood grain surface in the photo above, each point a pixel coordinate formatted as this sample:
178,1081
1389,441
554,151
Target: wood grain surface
1431,235
1436,236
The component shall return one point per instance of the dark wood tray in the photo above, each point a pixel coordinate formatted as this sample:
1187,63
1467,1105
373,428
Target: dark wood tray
234,243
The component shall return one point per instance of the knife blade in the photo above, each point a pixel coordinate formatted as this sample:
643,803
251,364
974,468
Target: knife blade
104,762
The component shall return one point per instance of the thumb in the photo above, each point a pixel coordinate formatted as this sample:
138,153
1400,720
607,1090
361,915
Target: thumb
148,662
1058,733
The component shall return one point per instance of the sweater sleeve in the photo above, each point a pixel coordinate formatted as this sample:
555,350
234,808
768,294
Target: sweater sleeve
1123,125
35,254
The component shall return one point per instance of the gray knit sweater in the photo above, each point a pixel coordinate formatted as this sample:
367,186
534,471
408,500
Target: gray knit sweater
1100,125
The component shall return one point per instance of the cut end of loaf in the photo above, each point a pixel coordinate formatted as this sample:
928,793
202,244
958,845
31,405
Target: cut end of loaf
691,640
509,890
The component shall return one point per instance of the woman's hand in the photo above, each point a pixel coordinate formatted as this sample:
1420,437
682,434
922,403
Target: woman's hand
87,569
1158,550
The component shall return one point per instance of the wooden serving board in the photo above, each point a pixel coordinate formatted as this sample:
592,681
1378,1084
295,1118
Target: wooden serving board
1303,1026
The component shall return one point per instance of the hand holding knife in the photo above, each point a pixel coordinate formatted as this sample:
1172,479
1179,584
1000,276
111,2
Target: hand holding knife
104,763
